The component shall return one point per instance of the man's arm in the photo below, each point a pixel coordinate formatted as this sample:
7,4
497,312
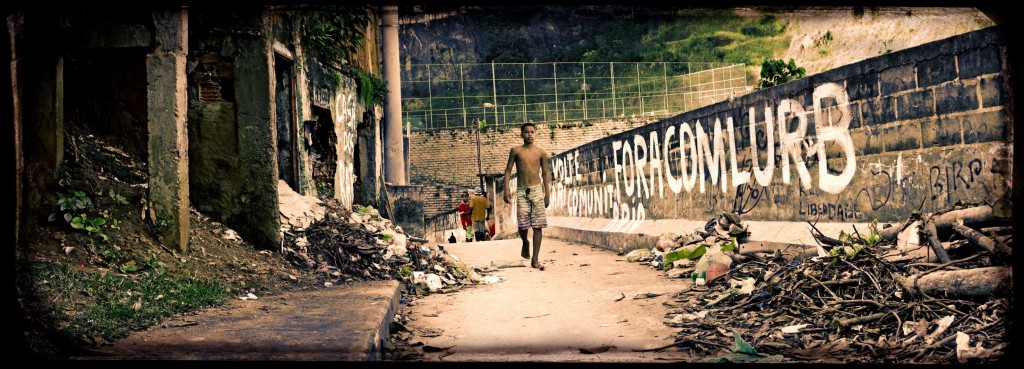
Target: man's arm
506,194
545,168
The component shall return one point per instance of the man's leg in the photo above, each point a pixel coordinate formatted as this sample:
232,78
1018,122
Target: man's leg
526,243
538,234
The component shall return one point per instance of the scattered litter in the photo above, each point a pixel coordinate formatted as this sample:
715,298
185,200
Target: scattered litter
646,295
597,350
793,328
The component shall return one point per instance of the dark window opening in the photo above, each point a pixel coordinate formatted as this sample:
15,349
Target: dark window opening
105,97
287,161
324,153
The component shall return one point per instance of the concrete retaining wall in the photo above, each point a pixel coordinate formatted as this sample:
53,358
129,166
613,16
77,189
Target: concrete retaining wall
920,129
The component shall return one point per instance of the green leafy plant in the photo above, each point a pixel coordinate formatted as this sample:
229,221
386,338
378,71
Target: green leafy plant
120,199
846,252
74,201
730,246
91,225
776,72
872,237
332,34
373,89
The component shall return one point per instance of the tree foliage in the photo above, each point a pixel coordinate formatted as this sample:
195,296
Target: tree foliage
776,72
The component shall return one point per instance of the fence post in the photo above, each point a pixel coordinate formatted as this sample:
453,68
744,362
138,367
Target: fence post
462,90
430,95
554,74
612,66
664,72
639,88
526,118
494,92
584,88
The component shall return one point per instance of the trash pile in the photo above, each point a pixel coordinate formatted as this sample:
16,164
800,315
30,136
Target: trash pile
934,290
701,249
361,245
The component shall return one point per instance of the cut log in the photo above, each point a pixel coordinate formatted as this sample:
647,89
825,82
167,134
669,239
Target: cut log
966,283
890,233
972,217
933,240
979,239
788,249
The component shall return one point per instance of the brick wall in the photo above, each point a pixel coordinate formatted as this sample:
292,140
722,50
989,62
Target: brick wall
445,161
924,128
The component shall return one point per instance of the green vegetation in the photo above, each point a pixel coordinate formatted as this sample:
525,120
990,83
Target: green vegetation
332,34
109,305
612,34
74,206
776,72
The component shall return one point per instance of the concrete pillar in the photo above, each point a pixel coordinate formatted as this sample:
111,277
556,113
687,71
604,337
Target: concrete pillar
37,83
168,135
302,113
394,157
370,159
257,138
15,24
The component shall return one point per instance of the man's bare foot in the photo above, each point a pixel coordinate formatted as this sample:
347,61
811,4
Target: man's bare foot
526,250
537,265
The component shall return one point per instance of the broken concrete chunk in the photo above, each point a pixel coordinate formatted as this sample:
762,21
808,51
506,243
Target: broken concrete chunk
667,242
636,255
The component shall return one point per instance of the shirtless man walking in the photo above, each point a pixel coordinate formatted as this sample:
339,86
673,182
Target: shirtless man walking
531,162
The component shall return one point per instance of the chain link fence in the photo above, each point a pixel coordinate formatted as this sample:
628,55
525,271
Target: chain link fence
440,96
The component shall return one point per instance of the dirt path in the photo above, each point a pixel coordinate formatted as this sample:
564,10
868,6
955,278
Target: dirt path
549,315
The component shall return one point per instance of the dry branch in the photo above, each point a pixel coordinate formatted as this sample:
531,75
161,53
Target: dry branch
979,239
933,240
966,283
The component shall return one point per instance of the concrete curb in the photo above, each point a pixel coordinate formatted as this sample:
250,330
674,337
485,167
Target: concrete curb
630,235
339,323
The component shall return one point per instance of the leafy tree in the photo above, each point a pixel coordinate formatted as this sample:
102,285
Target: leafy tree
776,72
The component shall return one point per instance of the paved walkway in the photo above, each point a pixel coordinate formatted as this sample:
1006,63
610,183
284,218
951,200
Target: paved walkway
585,299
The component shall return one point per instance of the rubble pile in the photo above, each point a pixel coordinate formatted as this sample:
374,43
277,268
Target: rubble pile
933,290
361,245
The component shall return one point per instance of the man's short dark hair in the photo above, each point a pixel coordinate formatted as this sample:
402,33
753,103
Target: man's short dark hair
527,124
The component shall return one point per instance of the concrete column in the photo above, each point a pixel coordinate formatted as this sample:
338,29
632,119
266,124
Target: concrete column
168,135
15,24
257,138
394,158
37,83
302,113
370,157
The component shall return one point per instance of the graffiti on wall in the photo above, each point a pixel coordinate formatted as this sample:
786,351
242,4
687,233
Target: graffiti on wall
700,158
787,168
346,113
